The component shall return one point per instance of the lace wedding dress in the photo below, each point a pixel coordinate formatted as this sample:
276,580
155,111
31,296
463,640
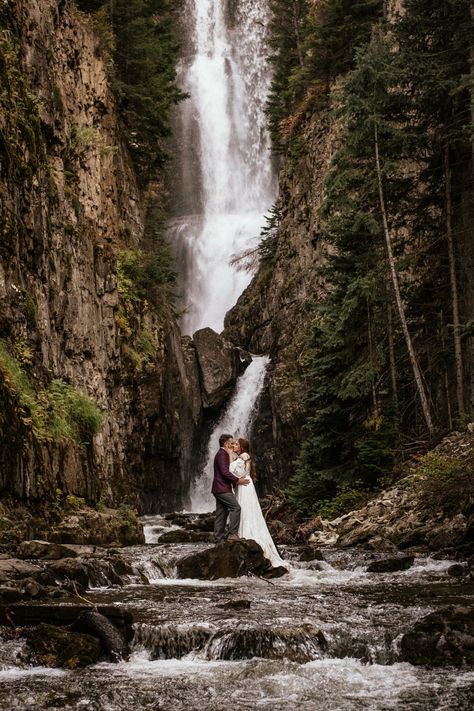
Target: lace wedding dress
252,524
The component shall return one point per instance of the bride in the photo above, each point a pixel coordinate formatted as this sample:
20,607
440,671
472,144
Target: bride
252,524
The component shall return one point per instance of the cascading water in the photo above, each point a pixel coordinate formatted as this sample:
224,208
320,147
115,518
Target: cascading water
224,164
235,420
224,177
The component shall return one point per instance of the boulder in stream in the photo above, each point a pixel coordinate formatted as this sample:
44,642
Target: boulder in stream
59,647
227,560
391,565
458,570
445,637
309,553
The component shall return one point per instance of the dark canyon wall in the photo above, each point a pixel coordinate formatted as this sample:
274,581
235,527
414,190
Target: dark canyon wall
101,398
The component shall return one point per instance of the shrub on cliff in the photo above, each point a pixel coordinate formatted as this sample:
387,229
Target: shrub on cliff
54,413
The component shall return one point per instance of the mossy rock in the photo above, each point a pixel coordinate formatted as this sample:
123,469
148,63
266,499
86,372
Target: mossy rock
58,647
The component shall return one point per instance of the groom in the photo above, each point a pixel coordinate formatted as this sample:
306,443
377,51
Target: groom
226,503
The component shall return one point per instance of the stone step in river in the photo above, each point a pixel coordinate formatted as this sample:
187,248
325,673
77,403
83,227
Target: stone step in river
325,636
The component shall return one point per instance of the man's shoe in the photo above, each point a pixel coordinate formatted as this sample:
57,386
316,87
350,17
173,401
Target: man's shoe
233,537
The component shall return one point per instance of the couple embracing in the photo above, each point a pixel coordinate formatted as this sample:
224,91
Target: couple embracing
236,498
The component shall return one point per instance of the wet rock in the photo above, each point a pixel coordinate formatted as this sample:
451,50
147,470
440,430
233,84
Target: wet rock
28,615
92,572
205,522
183,536
391,565
220,364
90,527
314,565
33,589
69,569
178,520
10,594
309,553
324,538
235,605
58,647
171,641
458,570
14,569
299,644
444,637
226,560
112,641
46,550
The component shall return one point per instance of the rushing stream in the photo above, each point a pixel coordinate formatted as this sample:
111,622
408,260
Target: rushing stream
193,650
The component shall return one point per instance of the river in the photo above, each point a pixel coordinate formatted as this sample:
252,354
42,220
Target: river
194,651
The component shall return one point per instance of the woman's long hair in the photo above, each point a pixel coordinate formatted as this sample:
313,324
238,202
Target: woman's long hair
245,447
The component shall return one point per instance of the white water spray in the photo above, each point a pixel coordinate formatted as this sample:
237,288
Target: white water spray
230,172
235,420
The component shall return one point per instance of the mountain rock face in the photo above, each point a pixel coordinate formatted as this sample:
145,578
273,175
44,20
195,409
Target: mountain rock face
71,212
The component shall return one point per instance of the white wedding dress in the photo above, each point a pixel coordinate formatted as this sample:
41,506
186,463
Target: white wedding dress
252,523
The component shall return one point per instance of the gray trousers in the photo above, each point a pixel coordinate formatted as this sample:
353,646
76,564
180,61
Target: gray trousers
226,504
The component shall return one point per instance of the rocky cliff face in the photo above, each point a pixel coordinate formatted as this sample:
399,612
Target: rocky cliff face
271,315
69,324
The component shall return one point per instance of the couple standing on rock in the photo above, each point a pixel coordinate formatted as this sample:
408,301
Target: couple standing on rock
234,467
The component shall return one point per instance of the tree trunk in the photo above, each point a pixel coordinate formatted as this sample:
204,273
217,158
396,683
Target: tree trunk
375,403
396,287
454,285
391,348
446,375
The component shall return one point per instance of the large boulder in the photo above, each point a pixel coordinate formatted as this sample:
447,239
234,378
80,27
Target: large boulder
391,565
14,569
220,364
89,527
443,637
227,560
59,647
46,550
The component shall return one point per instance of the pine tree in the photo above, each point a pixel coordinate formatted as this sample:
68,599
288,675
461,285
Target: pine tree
435,41
145,54
312,44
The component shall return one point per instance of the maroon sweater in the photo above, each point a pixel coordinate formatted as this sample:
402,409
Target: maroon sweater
223,479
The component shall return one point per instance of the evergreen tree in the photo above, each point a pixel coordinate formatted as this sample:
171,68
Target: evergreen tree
145,53
435,42
351,422
312,43
409,97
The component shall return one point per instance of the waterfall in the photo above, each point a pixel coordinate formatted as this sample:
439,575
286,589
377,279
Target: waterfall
224,171
235,420
224,181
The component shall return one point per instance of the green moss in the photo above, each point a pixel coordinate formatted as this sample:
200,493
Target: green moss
75,502
76,205
57,98
447,482
55,413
